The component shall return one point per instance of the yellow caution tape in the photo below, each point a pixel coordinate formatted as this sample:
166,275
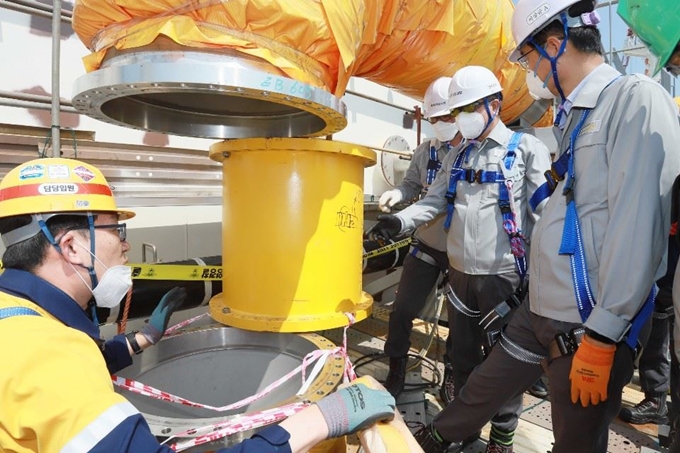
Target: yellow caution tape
188,272
387,248
182,272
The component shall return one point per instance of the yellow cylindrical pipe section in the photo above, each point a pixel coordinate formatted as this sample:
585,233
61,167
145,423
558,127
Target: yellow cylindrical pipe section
292,231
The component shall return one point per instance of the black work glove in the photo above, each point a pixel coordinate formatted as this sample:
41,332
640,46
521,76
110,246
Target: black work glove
388,226
158,323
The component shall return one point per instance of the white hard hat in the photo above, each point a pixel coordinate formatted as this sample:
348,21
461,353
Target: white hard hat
436,98
471,84
531,16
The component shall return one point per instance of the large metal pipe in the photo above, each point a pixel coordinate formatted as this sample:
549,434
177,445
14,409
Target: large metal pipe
296,52
217,366
294,261
147,293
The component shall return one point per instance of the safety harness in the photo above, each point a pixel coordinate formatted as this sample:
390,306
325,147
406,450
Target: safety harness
505,181
433,166
572,243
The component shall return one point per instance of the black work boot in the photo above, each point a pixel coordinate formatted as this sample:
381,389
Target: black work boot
430,441
499,441
539,389
397,375
495,447
650,410
447,387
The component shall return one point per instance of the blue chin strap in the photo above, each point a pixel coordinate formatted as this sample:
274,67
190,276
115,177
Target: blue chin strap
90,269
553,60
492,116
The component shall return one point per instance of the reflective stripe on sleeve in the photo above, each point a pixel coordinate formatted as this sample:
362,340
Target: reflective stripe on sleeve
93,433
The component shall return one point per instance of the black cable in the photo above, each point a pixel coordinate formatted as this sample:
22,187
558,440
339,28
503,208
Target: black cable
429,363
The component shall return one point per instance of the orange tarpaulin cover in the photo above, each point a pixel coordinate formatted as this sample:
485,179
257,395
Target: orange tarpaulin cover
402,44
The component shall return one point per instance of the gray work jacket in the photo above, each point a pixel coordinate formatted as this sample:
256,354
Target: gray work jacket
415,184
626,158
476,241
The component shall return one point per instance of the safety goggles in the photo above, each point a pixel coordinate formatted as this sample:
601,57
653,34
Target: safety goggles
466,108
448,118
120,227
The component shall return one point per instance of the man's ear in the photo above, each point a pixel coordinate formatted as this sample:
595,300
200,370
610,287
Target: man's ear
552,45
71,251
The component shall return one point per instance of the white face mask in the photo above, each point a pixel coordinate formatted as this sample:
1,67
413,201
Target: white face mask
537,88
471,125
112,287
444,131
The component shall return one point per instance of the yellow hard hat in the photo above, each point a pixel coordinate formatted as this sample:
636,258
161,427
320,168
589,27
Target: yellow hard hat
55,185
677,101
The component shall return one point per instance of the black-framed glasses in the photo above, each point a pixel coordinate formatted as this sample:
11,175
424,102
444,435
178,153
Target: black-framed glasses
121,228
466,108
446,118
522,60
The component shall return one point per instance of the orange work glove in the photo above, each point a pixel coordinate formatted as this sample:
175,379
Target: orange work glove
590,371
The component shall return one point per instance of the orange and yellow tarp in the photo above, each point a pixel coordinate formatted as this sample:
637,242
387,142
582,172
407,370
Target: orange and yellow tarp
402,44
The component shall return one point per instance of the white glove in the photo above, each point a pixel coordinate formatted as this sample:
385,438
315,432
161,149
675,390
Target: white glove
389,199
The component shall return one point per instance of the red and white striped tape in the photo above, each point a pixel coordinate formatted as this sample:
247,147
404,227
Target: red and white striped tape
173,331
235,425
254,420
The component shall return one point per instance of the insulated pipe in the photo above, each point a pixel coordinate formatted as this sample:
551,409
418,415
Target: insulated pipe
147,293
306,44
385,261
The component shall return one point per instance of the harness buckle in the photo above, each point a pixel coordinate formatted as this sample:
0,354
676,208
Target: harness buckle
568,343
434,165
505,206
450,197
552,177
475,176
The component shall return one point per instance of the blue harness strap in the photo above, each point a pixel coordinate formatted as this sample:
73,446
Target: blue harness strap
572,245
552,176
509,221
17,311
483,177
433,165
456,175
